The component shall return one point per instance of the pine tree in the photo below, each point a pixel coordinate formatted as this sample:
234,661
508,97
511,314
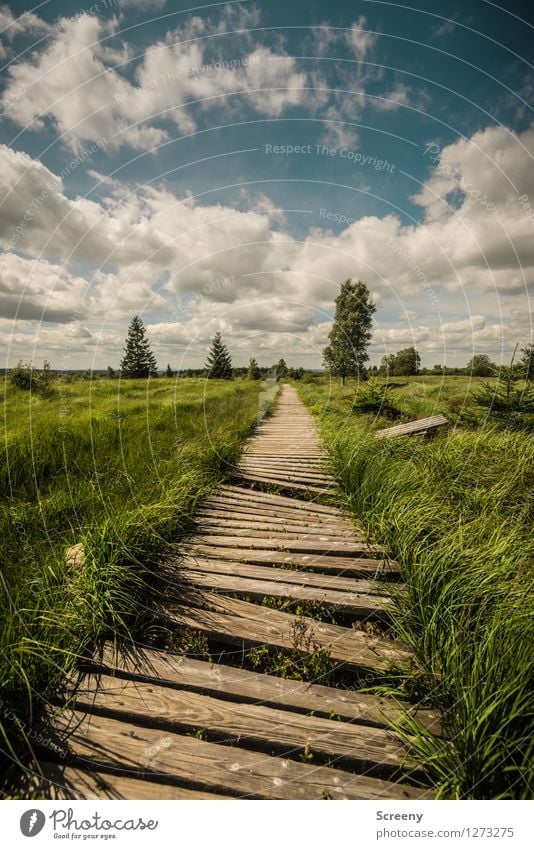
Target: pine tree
527,362
219,363
347,353
169,372
138,360
254,372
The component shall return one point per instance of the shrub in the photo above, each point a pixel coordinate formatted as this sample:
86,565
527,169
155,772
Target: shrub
24,376
375,397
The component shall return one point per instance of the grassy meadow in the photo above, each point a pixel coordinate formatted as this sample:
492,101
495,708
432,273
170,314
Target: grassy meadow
118,466
457,512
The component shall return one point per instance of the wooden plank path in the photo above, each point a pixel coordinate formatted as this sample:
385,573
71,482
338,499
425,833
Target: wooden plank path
156,724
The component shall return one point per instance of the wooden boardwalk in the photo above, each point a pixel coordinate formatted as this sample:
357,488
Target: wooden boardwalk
160,725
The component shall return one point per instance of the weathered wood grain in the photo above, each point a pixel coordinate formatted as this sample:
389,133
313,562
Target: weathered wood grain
239,622
324,545
366,606
411,428
269,498
243,685
364,566
290,576
55,781
287,732
133,750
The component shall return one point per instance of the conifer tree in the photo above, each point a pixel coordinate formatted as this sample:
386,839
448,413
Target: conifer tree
138,360
527,361
219,363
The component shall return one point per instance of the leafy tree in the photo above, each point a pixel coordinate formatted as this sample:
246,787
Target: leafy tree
281,368
296,373
527,362
387,364
138,360
254,372
219,363
480,366
346,354
407,362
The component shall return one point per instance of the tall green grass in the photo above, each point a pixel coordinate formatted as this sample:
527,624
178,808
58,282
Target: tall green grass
457,512
120,467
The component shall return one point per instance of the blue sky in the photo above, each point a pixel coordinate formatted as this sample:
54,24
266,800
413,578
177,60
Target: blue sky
227,167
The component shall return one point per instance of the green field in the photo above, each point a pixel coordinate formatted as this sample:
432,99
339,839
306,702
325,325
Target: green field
120,467
457,512
414,397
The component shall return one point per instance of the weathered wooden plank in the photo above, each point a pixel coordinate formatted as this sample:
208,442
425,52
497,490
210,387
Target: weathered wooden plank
278,434
364,566
56,781
285,483
314,455
241,684
370,607
298,476
269,510
409,428
256,531
238,622
274,521
93,740
293,475
349,548
287,445
319,462
155,706
271,573
282,500
286,465
248,523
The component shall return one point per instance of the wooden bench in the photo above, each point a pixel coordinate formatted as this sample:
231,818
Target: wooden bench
427,426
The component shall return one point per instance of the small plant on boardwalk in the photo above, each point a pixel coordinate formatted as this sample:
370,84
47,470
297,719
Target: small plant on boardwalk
185,640
313,609
306,755
305,661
